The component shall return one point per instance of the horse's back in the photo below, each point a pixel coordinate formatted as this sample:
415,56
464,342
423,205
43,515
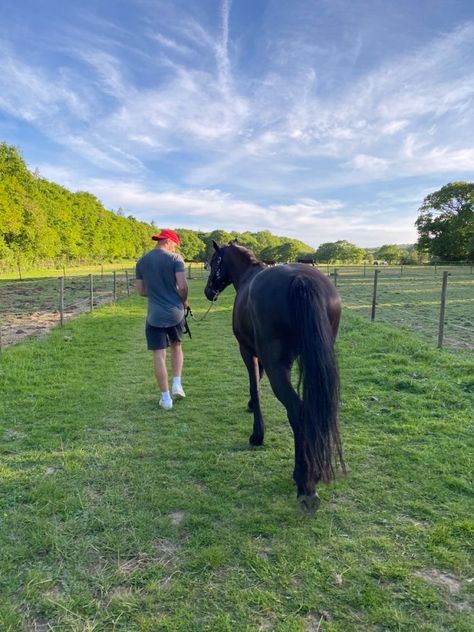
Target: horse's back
271,287
269,297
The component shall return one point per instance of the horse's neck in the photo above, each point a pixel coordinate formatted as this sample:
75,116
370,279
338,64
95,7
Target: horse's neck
242,271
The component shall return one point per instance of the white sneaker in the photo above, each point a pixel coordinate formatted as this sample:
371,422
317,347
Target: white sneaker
177,392
166,404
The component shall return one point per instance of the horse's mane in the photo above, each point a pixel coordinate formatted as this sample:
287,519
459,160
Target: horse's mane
247,253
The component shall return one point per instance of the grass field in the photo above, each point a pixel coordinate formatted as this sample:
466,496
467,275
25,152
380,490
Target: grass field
74,271
116,515
79,270
413,303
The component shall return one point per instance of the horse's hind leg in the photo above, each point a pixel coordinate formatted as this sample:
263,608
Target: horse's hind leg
255,374
280,380
250,405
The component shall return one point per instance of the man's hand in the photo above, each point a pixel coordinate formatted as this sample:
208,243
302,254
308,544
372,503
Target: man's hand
140,287
182,287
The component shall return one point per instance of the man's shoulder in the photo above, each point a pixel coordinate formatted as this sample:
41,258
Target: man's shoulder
177,257
148,255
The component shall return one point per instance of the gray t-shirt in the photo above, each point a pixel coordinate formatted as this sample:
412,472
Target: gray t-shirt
157,269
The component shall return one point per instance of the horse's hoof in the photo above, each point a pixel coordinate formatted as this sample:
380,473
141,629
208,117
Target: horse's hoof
255,440
309,503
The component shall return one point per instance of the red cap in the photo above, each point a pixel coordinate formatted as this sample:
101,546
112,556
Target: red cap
167,233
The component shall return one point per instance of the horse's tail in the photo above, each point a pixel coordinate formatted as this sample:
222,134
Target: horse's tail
319,378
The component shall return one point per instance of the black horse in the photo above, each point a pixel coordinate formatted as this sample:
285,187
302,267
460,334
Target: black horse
282,314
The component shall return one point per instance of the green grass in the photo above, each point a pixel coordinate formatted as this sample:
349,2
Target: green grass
77,270
116,515
74,270
413,303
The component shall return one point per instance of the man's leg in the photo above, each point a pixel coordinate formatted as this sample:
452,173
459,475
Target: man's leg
161,374
177,359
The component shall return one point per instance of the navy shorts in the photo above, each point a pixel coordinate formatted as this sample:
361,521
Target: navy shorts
162,337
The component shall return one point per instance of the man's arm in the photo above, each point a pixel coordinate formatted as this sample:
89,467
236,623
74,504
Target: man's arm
182,287
140,287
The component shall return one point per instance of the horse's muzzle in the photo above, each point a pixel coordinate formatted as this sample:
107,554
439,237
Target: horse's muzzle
211,294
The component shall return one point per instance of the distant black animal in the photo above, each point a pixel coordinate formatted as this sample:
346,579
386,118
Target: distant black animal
281,314
310,262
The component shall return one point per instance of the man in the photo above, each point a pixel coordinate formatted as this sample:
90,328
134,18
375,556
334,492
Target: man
160,276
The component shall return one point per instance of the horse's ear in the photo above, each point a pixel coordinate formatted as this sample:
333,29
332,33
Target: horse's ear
233,241
216,247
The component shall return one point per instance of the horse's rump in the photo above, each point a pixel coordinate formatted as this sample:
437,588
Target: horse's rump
296,314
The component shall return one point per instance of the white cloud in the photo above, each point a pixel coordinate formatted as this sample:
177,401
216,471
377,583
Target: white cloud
310,220
276,146
368,163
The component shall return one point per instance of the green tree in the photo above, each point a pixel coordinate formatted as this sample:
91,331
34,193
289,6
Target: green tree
221,237
391,253
192,248
286,252
248,240
340,251
41,221
446,223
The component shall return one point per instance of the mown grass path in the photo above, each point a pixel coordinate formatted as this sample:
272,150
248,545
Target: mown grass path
118,516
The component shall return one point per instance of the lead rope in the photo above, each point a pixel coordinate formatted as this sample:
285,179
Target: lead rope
189,311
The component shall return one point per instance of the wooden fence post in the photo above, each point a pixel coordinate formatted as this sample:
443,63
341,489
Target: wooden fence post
19,269
442,311
374,296
128,282
61,301
335,277
115,287
365,266
91,292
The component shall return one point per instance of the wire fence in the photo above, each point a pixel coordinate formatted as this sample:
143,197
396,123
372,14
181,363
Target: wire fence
33,307
438,307
436,303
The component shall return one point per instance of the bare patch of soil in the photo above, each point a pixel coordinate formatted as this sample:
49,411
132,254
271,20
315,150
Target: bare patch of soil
177,517
18,326
438,578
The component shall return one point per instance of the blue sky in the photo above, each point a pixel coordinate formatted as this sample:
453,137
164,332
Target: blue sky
316,119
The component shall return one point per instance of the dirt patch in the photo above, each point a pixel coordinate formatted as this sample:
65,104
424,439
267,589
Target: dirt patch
167,552
38,625
265,554
119,593
133,563
21,326
31,308
11,434
314,620
443,580
177,517
269,623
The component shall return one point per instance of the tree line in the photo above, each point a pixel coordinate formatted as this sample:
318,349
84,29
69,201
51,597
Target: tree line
44,223
41,221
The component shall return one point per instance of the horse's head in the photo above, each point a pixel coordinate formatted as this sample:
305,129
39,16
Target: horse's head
218,273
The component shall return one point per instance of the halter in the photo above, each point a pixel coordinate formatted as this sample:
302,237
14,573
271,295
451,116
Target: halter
218,268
